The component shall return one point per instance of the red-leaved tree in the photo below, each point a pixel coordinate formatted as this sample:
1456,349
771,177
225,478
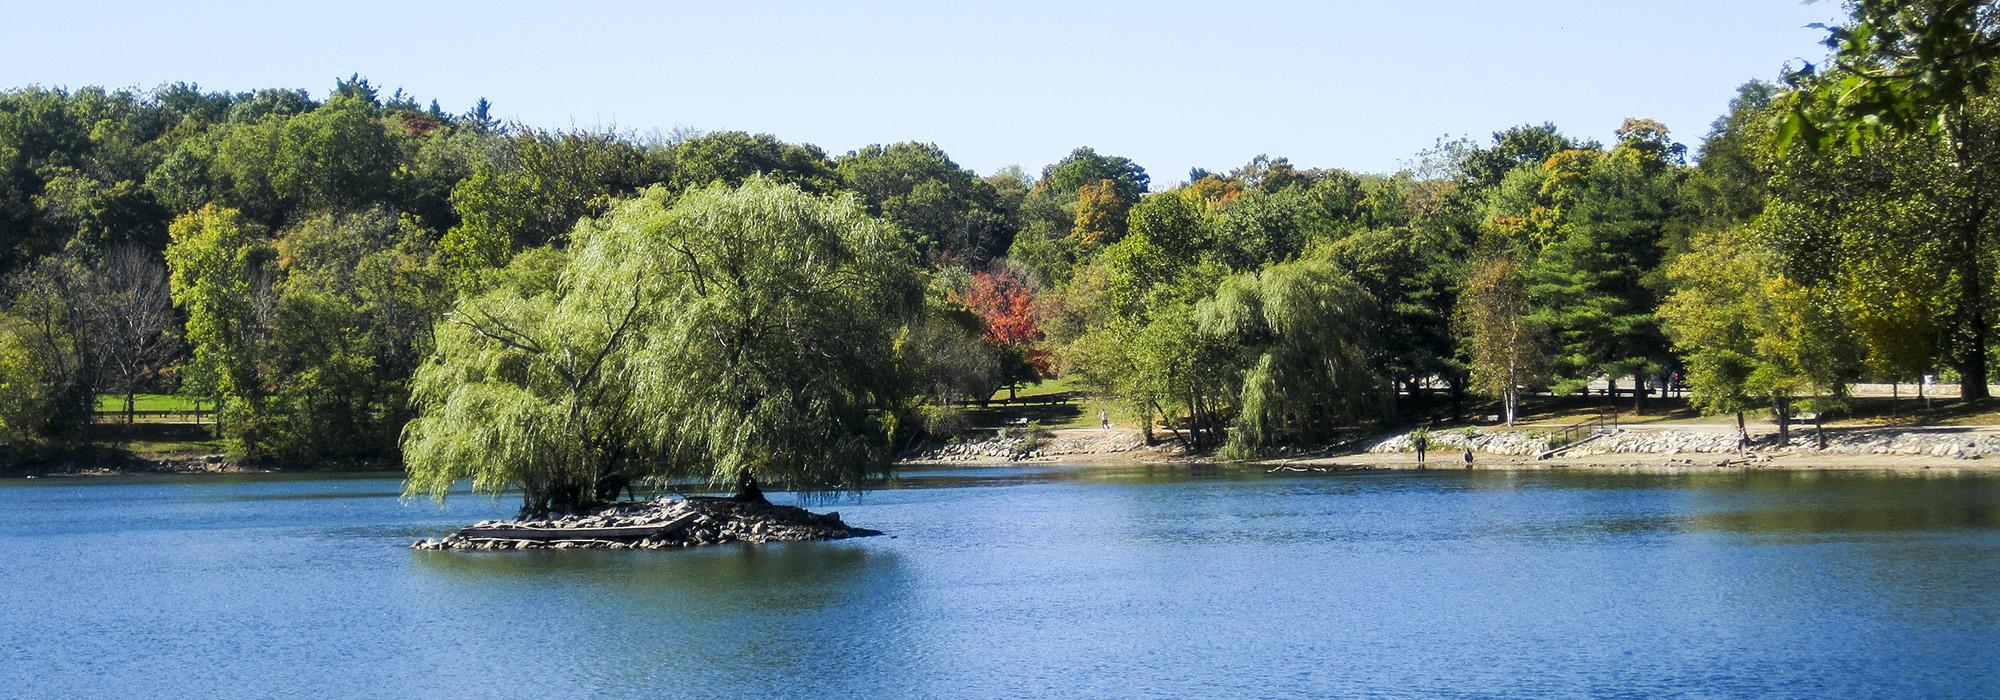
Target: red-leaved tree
1005,304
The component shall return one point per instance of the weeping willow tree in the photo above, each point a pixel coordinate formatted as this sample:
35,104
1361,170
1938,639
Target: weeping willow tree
731,333
1311,348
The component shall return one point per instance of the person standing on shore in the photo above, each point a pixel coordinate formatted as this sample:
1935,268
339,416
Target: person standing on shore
1422,442
1104,418
1468,458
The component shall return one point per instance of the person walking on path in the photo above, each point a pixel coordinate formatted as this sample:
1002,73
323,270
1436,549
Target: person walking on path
1423,441
1104,418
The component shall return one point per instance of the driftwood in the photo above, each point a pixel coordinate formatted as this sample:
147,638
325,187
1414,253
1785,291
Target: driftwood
546,534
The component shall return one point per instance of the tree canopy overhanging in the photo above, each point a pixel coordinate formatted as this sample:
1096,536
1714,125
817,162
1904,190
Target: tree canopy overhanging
726,333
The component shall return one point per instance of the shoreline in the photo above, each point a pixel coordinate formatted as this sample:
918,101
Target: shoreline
1098,448
1624,463
1365,458
184,465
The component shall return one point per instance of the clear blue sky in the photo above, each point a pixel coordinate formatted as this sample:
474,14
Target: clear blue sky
1360,85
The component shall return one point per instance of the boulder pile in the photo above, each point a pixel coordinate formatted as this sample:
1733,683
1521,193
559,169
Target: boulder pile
1919,442
1668,442
1496,442
1926,443
1003,445
660,524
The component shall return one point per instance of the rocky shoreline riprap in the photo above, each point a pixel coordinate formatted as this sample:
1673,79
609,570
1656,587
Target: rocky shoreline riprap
1948,442
1003,444
661,524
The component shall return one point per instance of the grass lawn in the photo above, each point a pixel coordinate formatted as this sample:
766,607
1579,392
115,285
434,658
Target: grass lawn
148,402
1079,412
1908,411
156,448
1043,388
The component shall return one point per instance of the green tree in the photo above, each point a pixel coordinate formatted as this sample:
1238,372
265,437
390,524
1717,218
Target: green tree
38,136
53,300
26,402
1506,350
532,191
738,332
1603,226
1085,166
948,362
1258,229
244,170
1179,223
357,294
1484,167
1084,189
1920,70
949,212
1751,337
1879,230
219,268
1728,185
1307,334
336,156
732,157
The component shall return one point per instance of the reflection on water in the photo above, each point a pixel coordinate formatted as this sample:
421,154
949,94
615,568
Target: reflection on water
1032,580
789,578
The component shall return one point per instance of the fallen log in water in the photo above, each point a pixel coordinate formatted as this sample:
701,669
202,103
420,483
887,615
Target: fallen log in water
542,534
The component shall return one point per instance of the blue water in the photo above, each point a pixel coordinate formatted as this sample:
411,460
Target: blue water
1032,582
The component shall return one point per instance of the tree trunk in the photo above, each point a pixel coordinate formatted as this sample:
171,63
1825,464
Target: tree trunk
131,401
1395,401
1784,409
1194,421
1973,327
1973,330
1742,432
1638,394
1208,422
1458,397
747,491
1893,396
1166,420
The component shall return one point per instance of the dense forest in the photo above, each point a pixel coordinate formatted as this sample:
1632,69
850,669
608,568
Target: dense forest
327,271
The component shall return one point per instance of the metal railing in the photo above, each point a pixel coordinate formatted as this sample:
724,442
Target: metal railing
1606,421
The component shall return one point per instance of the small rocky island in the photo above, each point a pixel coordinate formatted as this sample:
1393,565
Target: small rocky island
660,524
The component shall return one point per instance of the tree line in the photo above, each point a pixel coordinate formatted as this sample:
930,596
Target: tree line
367,276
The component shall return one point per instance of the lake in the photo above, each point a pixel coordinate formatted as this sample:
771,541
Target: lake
1029,582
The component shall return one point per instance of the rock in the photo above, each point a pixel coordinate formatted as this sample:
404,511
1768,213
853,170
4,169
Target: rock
716,521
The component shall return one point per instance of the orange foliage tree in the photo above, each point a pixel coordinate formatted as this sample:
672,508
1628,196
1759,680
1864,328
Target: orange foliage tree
1005,304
